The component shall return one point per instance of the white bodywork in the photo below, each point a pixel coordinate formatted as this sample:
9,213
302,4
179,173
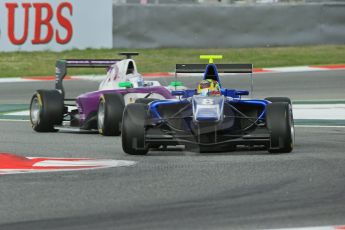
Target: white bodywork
131,97
208,108
124,71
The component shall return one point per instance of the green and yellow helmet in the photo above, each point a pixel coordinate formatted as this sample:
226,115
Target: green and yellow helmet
208,87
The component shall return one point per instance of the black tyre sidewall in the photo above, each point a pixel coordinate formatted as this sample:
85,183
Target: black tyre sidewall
51,110
133,129
279,122
114,105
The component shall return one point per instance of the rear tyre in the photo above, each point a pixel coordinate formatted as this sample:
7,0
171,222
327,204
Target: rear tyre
278,99
145,100
46,110
109,116
280,124
133,129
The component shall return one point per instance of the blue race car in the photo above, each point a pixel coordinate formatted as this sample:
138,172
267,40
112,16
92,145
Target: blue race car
209,122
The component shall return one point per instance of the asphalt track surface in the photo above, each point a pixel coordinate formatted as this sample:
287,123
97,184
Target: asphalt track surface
176,189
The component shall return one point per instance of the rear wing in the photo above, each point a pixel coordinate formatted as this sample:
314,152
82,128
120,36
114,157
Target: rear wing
222,68
63,64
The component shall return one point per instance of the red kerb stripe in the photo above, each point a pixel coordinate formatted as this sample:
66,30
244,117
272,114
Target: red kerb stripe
162,74
340,66
261,70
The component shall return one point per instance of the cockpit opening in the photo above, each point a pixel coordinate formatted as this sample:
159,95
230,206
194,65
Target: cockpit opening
130,68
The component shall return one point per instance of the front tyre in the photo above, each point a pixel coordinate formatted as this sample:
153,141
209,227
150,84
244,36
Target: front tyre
279,121
46,110
133,129
109,116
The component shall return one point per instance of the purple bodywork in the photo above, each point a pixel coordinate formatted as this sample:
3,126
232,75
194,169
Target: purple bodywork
89,102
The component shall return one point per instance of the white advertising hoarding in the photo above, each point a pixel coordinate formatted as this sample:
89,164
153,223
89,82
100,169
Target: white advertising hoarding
33,25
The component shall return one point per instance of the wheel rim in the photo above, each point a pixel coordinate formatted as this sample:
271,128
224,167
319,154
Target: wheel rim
100,116
35,110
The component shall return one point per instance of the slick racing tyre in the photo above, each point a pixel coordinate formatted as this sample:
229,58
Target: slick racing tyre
133,129
145,100
278,99
46,110
280,125
109,116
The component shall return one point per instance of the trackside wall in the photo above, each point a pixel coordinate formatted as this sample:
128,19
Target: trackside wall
220,26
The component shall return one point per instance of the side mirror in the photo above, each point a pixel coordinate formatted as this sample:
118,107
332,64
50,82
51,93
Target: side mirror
184,93
234,93
126,84
242,92
178,93
176,83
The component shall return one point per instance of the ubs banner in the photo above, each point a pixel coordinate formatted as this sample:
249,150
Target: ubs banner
32,25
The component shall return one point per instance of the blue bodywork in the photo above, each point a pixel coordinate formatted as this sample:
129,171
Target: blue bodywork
232,96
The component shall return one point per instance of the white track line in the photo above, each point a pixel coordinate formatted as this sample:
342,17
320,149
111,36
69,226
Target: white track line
300,111
14,120
18,113
319,111
314,228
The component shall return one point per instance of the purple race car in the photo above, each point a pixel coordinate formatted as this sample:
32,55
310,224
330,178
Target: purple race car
99,110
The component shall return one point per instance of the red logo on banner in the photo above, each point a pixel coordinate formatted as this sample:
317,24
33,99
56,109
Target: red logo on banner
41,20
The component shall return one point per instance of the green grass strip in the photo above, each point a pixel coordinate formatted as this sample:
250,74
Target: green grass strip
18,64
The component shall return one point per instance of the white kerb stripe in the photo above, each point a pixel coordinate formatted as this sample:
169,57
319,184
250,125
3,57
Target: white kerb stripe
88,163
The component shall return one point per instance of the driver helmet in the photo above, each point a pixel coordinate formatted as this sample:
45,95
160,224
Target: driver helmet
136,78
208,87
140,81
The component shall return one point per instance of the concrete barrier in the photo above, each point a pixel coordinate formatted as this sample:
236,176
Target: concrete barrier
222,26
